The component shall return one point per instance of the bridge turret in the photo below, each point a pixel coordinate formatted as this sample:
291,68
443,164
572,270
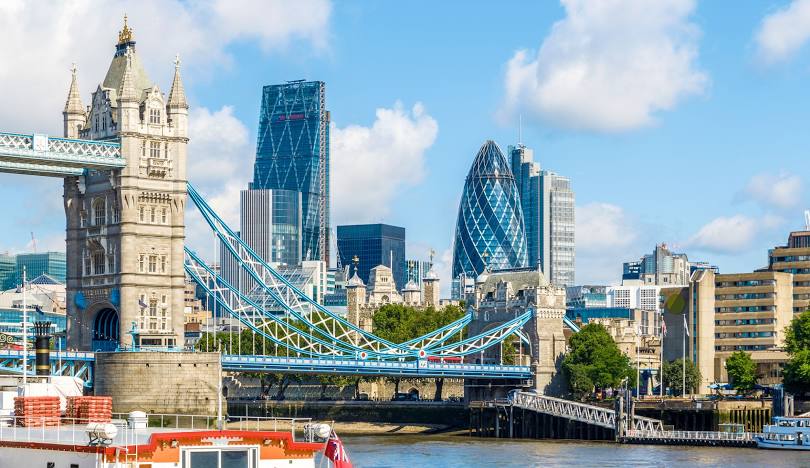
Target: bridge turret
177,107
74,115
128,106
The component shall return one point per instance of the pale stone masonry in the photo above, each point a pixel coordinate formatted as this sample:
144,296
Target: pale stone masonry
125,228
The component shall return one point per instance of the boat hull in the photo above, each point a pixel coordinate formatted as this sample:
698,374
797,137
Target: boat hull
780,444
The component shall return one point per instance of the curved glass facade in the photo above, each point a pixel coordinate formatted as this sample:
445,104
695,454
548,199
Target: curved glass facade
489,229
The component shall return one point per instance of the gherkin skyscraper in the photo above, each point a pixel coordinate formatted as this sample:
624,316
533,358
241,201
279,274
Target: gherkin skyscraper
489,229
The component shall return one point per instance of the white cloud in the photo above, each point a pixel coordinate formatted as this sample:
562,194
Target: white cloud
784,32
370,164
39,40
608,66
727,235
778,191
604,238
220,157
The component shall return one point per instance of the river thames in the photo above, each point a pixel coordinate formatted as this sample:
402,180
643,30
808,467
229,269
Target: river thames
420,451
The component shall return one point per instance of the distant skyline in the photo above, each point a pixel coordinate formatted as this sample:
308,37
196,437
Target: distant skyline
677,121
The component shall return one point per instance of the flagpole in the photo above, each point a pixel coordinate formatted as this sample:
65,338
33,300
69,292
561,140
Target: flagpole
661,360
683,359
25,332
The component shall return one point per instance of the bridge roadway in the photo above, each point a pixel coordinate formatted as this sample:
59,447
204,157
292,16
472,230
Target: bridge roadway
80,364
37,154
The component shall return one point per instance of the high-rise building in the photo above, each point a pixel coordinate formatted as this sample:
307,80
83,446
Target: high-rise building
51,263
586,297
373,245
270,223
415,270
292,153
490,226
8,267
725,313
547,201
662,267
795,258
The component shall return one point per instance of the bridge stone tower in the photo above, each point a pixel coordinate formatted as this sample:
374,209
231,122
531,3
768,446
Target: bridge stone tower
125,228
503,295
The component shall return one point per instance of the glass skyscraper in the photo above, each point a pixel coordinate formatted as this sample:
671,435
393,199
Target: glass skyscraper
548,214
490,227
51,263
292,153
373,244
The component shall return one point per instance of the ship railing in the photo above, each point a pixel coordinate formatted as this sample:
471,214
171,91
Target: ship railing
693,435
240,423
54,430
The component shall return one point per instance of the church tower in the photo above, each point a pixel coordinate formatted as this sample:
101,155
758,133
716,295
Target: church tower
125,227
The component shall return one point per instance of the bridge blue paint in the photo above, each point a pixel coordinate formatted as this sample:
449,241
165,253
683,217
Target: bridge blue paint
37,154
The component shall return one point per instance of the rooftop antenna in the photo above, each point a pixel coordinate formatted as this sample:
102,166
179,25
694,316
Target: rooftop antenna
807,220
520,129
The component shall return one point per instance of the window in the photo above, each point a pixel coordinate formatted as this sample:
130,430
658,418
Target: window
154,149
154,116
163,298
83,218
143,149
163,216
141,214
116,214
152,263
140,266
98,262
152,215
153,308
99,212
111,262
87,266
163,266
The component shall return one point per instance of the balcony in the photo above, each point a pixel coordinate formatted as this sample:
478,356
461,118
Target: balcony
158,167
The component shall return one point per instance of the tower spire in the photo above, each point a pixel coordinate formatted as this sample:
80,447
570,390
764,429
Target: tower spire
127,91
74,105
125,34
177,95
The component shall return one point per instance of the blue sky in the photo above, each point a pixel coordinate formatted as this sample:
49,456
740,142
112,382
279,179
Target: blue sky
679,122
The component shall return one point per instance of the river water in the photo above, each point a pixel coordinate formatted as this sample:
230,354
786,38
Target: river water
423,451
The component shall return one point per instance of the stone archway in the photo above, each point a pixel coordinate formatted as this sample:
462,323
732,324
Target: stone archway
106,330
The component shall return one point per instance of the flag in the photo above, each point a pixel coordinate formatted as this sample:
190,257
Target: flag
142,304
38,308
336,452
663,328
685,326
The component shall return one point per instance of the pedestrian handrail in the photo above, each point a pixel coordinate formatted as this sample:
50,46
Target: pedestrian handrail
577,411
693,435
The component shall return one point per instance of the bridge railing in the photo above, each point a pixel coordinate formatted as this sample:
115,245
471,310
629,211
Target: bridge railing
578,411
62,148
692,435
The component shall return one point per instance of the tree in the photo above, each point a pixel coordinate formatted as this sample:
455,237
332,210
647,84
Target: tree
673,376
742,371
797,334
796,373
595,360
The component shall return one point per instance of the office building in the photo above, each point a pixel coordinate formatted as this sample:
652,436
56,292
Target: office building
50,263
373,245
727,313
633,297
8,268
585,297
415,270
662,268
646,322
490,226
292,153
547,201
794,258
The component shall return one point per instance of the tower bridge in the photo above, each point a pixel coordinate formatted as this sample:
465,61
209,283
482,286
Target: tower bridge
123,163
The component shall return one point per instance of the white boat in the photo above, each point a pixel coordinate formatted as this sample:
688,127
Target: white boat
145,441
785,434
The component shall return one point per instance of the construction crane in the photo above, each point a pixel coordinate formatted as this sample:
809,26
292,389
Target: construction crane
34,241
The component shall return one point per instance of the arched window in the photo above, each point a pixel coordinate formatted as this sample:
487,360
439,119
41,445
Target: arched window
99,212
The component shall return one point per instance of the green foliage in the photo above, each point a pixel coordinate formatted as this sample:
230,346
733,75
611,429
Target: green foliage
673,376
398,323
742,371
797,334
797,372
595,360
